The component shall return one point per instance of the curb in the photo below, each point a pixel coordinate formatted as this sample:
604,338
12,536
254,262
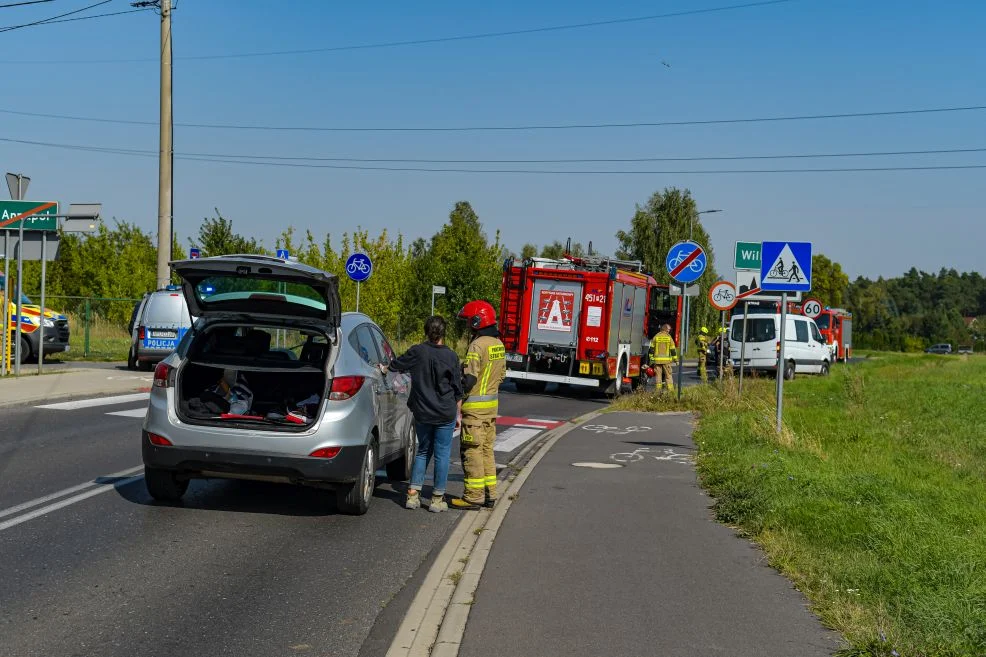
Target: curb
436,621
128,382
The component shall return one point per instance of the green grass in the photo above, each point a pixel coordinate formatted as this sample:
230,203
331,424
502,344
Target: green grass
108,341
872,500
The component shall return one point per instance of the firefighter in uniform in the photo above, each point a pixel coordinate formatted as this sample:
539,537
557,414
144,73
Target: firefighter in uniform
483,372
702,342
662,354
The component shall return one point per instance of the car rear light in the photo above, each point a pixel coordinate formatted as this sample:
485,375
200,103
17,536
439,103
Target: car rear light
141,332
162,375
777,347
344,387
160,441
326,452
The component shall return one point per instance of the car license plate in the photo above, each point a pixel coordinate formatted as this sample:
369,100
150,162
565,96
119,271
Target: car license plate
165,335
515,358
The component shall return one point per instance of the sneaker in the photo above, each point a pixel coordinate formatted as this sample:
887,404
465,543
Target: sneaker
464,505
438,504
413,501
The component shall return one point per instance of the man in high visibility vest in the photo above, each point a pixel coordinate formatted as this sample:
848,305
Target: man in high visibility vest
483,372
662,354
702,342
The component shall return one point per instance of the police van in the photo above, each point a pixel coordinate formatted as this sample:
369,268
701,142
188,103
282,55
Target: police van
805,351
157,325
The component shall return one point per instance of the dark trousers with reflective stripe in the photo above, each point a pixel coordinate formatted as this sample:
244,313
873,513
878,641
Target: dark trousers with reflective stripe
476,442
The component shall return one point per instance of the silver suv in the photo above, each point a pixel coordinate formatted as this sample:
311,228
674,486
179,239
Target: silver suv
274,383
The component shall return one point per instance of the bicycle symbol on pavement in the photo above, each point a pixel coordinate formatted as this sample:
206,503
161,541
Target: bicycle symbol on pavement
603,428
643,452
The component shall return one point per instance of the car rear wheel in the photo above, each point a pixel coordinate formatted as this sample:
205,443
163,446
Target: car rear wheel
825,369
354,498
789,370
400,469
132,359
164,485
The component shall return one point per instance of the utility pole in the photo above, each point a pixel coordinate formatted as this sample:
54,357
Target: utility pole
165,214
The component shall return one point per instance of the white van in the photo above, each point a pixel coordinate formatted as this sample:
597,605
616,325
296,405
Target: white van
805,351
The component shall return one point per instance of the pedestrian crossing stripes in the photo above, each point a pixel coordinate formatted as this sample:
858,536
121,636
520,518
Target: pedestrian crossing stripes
514,431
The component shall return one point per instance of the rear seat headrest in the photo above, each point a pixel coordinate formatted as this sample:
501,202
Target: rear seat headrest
257,342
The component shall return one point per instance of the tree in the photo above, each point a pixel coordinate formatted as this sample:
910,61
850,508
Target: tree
216,237
528,251
463,261
828,282
667,218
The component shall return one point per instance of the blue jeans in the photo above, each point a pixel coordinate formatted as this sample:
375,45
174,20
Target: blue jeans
433,440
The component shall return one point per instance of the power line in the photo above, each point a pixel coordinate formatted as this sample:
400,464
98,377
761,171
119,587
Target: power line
54,18
505,128
86,18
435,40
607,160
26,2
305,165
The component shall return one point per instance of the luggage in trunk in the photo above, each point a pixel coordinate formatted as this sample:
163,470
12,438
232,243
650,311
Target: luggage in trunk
232,377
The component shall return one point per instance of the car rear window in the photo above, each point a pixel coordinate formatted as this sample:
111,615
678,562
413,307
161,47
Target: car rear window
218,289
165,308
758,329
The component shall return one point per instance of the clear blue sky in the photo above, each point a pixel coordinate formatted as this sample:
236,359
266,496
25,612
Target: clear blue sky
803,57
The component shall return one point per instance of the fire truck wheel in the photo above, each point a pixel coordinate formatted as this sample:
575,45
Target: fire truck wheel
616,390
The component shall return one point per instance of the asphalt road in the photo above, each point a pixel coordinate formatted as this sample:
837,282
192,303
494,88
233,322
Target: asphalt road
240,568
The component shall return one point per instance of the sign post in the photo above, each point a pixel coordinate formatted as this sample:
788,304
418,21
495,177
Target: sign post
784,267
686,262
742,351
359,268
722,296
435,289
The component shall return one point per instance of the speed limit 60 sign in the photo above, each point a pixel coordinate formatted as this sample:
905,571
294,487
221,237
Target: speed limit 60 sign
811,308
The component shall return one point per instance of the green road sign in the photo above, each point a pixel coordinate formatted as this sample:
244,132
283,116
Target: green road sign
747,256
42,215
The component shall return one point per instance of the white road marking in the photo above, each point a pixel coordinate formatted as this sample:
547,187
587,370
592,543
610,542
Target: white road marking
530,426
67,491
100,488
599,466
513,438
136,412
97,401
531,419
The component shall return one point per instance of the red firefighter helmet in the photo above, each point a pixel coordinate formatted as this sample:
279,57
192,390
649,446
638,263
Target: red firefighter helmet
479,314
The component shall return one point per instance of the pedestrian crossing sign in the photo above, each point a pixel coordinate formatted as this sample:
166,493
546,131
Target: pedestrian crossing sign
785,267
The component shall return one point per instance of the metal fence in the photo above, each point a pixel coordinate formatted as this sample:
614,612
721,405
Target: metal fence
98,325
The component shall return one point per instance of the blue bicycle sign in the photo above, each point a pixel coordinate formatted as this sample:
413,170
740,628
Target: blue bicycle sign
359,267
686,262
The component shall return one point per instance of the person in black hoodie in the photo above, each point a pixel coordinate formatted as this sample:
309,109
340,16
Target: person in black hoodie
435,401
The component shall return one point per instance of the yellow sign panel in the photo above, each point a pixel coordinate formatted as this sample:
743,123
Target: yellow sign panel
583,368
597,369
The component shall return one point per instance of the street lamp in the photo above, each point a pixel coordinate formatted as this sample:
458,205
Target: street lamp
691,221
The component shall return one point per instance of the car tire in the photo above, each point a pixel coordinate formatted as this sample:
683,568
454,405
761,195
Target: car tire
26,355
400,468
164,485
132,359
825,369
354,499
789,370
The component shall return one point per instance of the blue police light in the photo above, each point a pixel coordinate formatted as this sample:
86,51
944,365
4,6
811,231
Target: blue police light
208,289
173,288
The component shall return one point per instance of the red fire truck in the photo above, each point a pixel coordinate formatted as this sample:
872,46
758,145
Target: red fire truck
584,321
835,325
